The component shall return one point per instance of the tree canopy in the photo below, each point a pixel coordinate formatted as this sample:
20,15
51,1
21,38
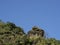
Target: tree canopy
10,34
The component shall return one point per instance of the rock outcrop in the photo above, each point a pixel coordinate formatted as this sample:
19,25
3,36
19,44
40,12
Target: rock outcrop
36,32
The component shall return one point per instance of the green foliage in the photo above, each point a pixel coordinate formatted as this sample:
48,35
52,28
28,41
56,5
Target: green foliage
10,34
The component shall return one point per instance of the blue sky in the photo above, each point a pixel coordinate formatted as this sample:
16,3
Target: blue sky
28,13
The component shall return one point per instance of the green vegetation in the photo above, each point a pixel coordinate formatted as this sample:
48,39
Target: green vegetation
10,34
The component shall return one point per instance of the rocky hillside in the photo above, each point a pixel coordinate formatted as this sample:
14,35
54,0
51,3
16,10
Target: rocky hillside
10,34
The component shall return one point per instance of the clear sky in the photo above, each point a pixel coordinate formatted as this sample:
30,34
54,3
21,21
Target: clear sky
28,13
